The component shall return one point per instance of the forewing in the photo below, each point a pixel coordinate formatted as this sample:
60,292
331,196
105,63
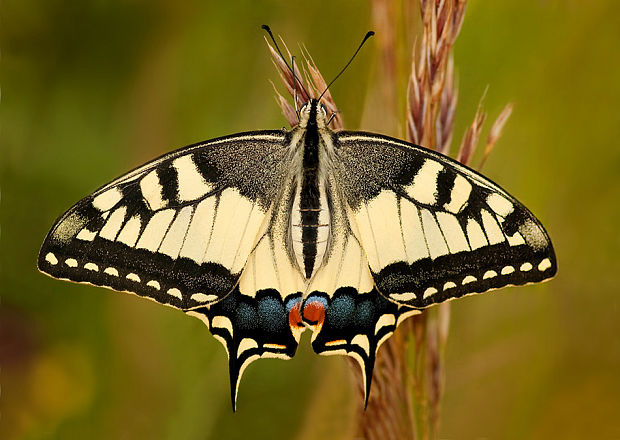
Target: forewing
177,230
433,229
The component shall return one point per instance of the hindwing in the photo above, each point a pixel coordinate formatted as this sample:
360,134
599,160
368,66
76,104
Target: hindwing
251,328
342,306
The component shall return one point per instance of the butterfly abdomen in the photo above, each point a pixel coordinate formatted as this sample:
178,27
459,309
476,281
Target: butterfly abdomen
310,224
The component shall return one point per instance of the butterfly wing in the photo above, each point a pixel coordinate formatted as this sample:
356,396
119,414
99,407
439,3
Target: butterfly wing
199,229
431,228
252,327
355,324
411,228
177,230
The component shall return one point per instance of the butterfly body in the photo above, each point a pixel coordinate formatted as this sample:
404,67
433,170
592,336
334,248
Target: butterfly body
262,235
311,219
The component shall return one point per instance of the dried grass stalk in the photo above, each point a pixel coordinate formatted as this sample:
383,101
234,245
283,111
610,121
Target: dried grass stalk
496,132
432,97
384,15
444,124
408,378
472,136
309,80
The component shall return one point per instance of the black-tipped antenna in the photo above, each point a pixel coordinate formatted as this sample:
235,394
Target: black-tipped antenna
268,30
366,37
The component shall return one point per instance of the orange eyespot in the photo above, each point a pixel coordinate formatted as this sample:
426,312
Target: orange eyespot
294,316
314,312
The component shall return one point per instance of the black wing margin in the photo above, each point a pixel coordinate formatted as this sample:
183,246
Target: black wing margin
433,229
178,229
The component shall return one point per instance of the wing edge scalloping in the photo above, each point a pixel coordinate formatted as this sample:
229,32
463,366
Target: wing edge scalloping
244,345
452,298
88,283
478,291
536,255
113,273
548,257
108,276
355,335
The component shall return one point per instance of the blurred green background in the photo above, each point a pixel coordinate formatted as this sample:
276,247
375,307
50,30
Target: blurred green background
93,88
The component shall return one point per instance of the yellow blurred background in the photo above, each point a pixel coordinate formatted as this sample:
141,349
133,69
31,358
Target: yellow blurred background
93,88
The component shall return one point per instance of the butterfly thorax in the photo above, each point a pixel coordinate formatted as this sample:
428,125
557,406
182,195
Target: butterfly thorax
310,216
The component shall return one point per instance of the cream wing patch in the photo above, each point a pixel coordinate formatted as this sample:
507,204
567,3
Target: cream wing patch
379,226
412,232
199,231
459,195
346,266
151,189
175,236
435,240
191,184
130,232
236,226
155,230
423,188
269,267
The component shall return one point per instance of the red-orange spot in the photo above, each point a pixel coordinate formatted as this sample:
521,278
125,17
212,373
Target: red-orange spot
294,316
314,312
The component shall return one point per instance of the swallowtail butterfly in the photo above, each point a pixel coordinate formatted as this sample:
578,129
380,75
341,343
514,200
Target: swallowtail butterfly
264,234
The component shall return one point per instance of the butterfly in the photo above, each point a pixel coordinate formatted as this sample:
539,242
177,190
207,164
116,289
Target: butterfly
265,234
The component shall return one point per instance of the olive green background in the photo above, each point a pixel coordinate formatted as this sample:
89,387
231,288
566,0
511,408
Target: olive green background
93,88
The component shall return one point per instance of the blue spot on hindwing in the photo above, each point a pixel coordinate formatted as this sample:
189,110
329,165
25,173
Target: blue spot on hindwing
341,311
246,316
365,314
272,314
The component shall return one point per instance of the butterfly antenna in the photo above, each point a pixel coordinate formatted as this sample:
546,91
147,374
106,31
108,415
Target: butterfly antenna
297,80
366,37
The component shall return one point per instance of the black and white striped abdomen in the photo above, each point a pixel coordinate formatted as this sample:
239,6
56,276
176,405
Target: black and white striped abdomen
310,225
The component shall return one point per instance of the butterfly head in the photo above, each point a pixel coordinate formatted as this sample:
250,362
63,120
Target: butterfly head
313,113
